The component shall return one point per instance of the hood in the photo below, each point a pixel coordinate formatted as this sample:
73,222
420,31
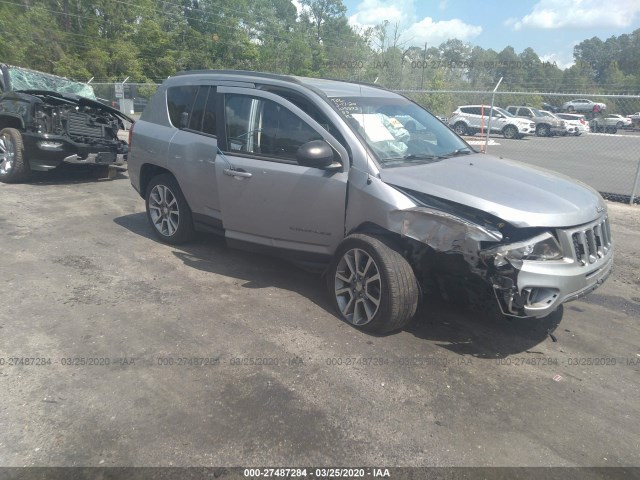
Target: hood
81,101
519,194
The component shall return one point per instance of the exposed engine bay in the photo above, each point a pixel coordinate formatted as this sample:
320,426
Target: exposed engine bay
83,121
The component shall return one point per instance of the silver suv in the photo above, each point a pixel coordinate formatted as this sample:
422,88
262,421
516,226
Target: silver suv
546,124
471,119
369,186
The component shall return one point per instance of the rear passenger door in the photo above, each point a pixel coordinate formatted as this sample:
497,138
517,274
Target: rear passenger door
192,152
266,197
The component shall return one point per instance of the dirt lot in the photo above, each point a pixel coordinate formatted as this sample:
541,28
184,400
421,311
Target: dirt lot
114,320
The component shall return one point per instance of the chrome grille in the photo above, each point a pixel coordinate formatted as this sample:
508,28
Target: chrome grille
592,242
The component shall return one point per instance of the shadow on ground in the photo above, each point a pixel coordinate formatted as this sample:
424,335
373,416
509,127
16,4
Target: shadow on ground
67,174
452,327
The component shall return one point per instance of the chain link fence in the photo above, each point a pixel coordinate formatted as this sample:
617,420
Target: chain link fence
607,157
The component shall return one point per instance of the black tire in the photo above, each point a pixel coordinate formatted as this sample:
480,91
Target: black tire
570,109
396,289
543,130
168,211
619,125
13,165
460,128
510,132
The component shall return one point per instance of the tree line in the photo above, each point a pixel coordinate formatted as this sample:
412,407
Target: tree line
149,40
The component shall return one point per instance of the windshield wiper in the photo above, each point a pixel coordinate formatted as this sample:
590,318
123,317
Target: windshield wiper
455,153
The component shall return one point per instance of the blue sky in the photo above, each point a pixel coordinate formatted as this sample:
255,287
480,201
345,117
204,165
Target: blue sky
551,27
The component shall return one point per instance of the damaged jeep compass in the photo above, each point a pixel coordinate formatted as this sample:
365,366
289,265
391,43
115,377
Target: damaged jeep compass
46,120
371,187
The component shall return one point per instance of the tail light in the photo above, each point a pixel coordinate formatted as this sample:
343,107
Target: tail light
582,121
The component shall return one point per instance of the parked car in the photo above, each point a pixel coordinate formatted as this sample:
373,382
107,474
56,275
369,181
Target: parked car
327,172
550,108
46,120
471,119
575,120
583,105
618,120
546,125
602,124
635,119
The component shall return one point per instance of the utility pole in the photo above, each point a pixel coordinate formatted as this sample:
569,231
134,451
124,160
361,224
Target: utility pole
424,61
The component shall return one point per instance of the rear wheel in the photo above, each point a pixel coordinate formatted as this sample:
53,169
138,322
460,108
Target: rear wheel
460,128
168,211
570,109
372,285
13,165
510,131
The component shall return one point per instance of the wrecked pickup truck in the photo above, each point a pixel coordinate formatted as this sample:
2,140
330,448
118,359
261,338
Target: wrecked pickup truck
46,120
368,186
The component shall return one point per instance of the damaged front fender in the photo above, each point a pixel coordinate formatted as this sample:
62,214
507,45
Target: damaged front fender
442,231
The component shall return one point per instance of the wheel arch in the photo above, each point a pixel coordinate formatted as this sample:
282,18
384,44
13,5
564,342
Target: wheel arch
10,121
147,172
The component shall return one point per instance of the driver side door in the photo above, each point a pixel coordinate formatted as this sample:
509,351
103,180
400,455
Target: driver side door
266,197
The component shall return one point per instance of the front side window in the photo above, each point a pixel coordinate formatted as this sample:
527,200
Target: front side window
264,127
398,131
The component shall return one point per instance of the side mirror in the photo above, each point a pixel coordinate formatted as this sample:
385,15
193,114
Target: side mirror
316,154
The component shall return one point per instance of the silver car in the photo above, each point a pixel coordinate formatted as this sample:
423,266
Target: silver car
368,186
583,105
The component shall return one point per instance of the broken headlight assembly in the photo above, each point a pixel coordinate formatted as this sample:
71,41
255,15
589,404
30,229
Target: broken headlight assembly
542,247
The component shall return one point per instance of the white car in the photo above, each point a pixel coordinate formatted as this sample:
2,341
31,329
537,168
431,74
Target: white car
620,121
577,121
471,119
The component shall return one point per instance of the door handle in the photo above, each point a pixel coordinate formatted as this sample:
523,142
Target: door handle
237,173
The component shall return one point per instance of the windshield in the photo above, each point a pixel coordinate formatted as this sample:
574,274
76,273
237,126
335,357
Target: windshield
22,79
398,131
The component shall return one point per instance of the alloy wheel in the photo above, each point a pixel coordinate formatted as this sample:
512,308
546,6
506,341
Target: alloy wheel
358,287
164,211
7,154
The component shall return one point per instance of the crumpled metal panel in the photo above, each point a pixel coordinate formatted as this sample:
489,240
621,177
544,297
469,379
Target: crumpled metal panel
442,231
22,79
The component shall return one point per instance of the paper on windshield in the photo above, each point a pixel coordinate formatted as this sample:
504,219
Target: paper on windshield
373,126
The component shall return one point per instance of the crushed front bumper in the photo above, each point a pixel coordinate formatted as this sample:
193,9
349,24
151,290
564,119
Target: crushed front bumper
537,288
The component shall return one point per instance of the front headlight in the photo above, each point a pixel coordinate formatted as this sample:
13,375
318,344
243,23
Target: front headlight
540,248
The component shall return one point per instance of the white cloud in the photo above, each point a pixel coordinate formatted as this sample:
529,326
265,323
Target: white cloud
434,33
373,12
414,31
562,59
578,14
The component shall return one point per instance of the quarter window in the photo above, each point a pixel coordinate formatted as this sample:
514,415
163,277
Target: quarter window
179,103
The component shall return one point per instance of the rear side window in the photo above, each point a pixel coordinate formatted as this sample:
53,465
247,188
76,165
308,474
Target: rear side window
179,102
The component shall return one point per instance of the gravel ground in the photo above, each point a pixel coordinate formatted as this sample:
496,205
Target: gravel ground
84,281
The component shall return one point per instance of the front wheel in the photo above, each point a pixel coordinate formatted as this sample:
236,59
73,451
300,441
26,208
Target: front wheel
13,165
510,132
570,109
372,285
168,211
543,131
